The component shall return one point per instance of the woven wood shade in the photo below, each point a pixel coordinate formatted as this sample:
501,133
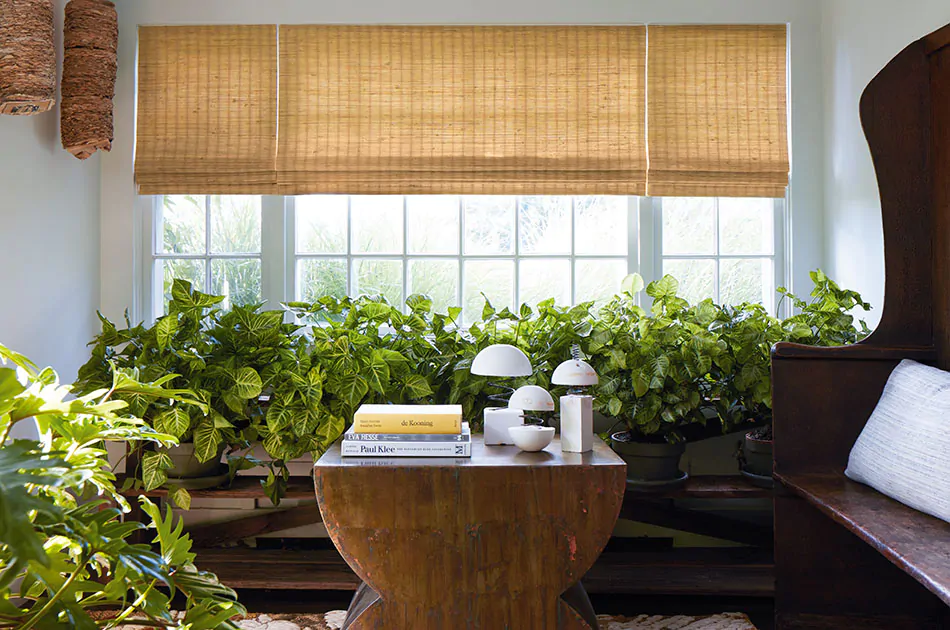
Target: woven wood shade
207,110
717,111
462,110
27,57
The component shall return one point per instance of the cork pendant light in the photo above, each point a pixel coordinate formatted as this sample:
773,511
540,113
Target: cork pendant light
27,57
91,37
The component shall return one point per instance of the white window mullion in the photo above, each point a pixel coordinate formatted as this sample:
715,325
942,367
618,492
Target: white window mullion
151,275
276,266
207,288
782,258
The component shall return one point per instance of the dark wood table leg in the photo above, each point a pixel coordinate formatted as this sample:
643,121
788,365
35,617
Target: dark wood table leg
576,597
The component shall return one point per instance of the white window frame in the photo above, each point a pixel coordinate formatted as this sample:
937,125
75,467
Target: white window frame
653,209
279,256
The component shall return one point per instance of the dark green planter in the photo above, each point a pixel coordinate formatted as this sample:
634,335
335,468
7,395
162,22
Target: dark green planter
186,465
650,463
758,456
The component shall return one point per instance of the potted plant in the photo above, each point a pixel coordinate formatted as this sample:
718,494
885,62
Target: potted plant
213,393
654,377
750,332
64,549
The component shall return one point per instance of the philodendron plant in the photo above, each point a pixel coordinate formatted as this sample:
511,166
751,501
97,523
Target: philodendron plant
64,551
220,363
656,371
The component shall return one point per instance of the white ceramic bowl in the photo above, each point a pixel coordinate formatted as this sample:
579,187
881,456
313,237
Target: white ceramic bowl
531,438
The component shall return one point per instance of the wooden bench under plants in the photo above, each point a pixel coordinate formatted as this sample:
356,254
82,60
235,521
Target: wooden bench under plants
846,555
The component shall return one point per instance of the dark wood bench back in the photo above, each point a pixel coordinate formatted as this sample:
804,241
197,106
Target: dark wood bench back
823,396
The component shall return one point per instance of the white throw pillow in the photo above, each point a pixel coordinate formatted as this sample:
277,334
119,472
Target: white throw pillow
904,450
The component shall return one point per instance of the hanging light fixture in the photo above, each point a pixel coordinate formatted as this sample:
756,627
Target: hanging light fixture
27,57
91,39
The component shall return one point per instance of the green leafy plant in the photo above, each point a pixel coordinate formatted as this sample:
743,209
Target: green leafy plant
242,376
667,373
825,320
63,549
657,372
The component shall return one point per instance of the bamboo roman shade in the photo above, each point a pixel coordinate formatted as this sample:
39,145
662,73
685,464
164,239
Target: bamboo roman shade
468,109
463,110
717,111
207,110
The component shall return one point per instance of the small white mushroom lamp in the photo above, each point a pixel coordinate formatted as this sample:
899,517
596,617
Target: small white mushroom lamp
577,407
503,361
531,398
534,435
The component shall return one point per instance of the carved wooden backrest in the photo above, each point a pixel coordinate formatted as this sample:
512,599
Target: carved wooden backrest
822,397
905,112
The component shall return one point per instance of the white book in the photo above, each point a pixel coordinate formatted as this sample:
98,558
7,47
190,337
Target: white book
406,449
400,438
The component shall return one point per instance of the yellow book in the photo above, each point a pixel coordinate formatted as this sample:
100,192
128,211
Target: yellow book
411,419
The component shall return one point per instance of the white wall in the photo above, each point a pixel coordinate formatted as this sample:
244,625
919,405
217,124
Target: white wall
120,261
861,37
49,242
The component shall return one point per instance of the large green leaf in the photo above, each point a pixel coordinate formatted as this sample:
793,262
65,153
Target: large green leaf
175,421
247,383
417,386
353,388
165,329
377,373
207,440
154,469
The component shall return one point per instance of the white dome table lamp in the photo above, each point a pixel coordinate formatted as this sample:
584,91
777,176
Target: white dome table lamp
577,406
535,435
502,361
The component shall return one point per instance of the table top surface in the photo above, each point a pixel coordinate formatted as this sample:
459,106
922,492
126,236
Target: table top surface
482,457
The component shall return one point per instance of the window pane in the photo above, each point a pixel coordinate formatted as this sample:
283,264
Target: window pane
433,224
697,278
544,225
494,278
598,280
238,280
379,277
439,279
190,270
489,225
689,226
600,226
183,225
235,224
746,226
539,280
747,281
317,278
321,224
377,224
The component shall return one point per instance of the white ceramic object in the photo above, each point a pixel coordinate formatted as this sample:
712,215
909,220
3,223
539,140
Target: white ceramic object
501,360
576,373
577,423
531,398
531,438
497,422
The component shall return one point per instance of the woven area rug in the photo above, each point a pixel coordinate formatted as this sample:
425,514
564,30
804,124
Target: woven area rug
334,621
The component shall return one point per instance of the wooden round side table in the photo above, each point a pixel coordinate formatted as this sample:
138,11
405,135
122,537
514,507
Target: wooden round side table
497,541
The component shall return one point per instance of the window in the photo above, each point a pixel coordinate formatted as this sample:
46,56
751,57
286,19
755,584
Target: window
212,241
454,249
457,248
723,249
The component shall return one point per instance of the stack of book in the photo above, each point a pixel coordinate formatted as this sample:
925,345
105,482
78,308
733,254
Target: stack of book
408,431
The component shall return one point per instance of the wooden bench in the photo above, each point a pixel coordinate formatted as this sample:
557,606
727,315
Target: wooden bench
847,556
